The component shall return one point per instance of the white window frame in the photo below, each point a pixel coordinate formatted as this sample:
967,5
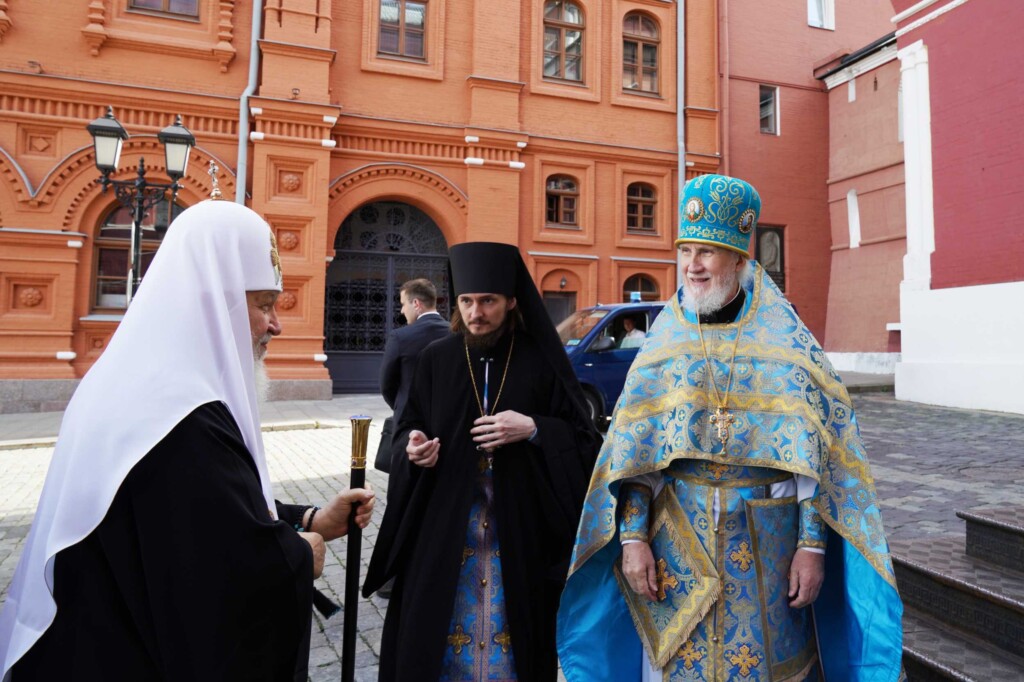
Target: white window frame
828,14
853,218
776,113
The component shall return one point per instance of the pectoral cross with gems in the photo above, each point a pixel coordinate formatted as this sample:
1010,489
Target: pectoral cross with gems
722,419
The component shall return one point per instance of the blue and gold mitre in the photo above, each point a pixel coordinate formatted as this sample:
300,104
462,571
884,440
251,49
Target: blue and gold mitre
719,210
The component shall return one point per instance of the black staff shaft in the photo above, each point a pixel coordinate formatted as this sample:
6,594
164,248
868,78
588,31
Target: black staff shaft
360,432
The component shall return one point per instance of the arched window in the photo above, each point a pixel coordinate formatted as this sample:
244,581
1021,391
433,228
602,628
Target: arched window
562,199
639,53
771,253
402,28
641,201
563,40
640,288
113,251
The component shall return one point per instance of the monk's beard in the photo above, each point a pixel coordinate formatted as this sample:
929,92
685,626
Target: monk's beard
485,342
261,381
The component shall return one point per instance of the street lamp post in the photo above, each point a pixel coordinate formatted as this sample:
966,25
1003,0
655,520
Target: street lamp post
138,195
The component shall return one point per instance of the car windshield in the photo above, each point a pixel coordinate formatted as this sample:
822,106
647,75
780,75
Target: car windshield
573,328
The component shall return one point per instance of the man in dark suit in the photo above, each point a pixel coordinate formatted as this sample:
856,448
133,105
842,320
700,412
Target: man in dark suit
401,352
419,300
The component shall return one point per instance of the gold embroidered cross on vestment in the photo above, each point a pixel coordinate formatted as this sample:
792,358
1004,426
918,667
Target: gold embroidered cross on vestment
504,640
665,579
690,655
458,639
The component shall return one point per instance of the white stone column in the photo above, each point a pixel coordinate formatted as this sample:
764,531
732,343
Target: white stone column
917,152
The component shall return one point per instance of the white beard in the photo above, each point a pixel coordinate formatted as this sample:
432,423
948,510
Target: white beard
720,293
716,296
261,381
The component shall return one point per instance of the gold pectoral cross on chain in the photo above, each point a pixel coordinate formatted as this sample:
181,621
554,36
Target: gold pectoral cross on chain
722,419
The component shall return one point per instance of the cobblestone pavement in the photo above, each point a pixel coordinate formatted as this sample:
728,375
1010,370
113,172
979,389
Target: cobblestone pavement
928,462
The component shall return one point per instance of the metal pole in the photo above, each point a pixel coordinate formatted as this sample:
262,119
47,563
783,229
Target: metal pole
360,434
138,213
680,122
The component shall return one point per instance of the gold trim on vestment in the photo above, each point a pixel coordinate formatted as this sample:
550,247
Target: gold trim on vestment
600,479
754,403
662,645
718,624
759,572
823,379
731,483
688,453
831,386
806,658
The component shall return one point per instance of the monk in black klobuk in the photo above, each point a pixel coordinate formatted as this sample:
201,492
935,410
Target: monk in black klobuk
499,454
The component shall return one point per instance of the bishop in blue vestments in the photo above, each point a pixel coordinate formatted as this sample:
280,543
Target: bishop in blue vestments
731,530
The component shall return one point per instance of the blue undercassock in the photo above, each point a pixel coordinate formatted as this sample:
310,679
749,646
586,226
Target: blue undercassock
479,644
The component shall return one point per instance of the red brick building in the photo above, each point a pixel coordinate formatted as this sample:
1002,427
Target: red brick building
925,194
866,207
778,127
372,134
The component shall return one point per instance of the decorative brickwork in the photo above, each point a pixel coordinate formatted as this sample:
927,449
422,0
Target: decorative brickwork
5,20
418,175
210,38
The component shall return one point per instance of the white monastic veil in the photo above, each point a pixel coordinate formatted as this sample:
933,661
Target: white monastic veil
185,341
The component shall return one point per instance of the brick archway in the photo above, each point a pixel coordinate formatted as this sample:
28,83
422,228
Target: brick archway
431,192
363,280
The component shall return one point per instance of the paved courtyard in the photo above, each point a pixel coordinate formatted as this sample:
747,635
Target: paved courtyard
928,463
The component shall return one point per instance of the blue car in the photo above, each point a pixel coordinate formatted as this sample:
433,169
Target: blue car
602,342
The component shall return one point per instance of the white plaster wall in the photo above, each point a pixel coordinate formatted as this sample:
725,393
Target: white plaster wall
866,363
963,347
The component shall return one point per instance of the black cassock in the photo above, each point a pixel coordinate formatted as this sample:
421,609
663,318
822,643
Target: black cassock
538,495
187,577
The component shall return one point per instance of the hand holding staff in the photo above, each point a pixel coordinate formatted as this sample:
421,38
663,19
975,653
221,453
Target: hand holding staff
332,522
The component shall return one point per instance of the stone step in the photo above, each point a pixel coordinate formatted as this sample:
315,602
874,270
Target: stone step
933,652
996,535
981,599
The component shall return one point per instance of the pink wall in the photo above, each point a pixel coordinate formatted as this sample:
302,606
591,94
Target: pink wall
771,43
864,133
789,173
864,298
975,61
771,40
866,156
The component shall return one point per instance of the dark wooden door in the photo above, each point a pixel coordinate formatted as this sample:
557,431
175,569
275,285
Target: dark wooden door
379,246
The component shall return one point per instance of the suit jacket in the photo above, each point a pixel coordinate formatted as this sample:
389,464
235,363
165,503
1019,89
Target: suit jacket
400,354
